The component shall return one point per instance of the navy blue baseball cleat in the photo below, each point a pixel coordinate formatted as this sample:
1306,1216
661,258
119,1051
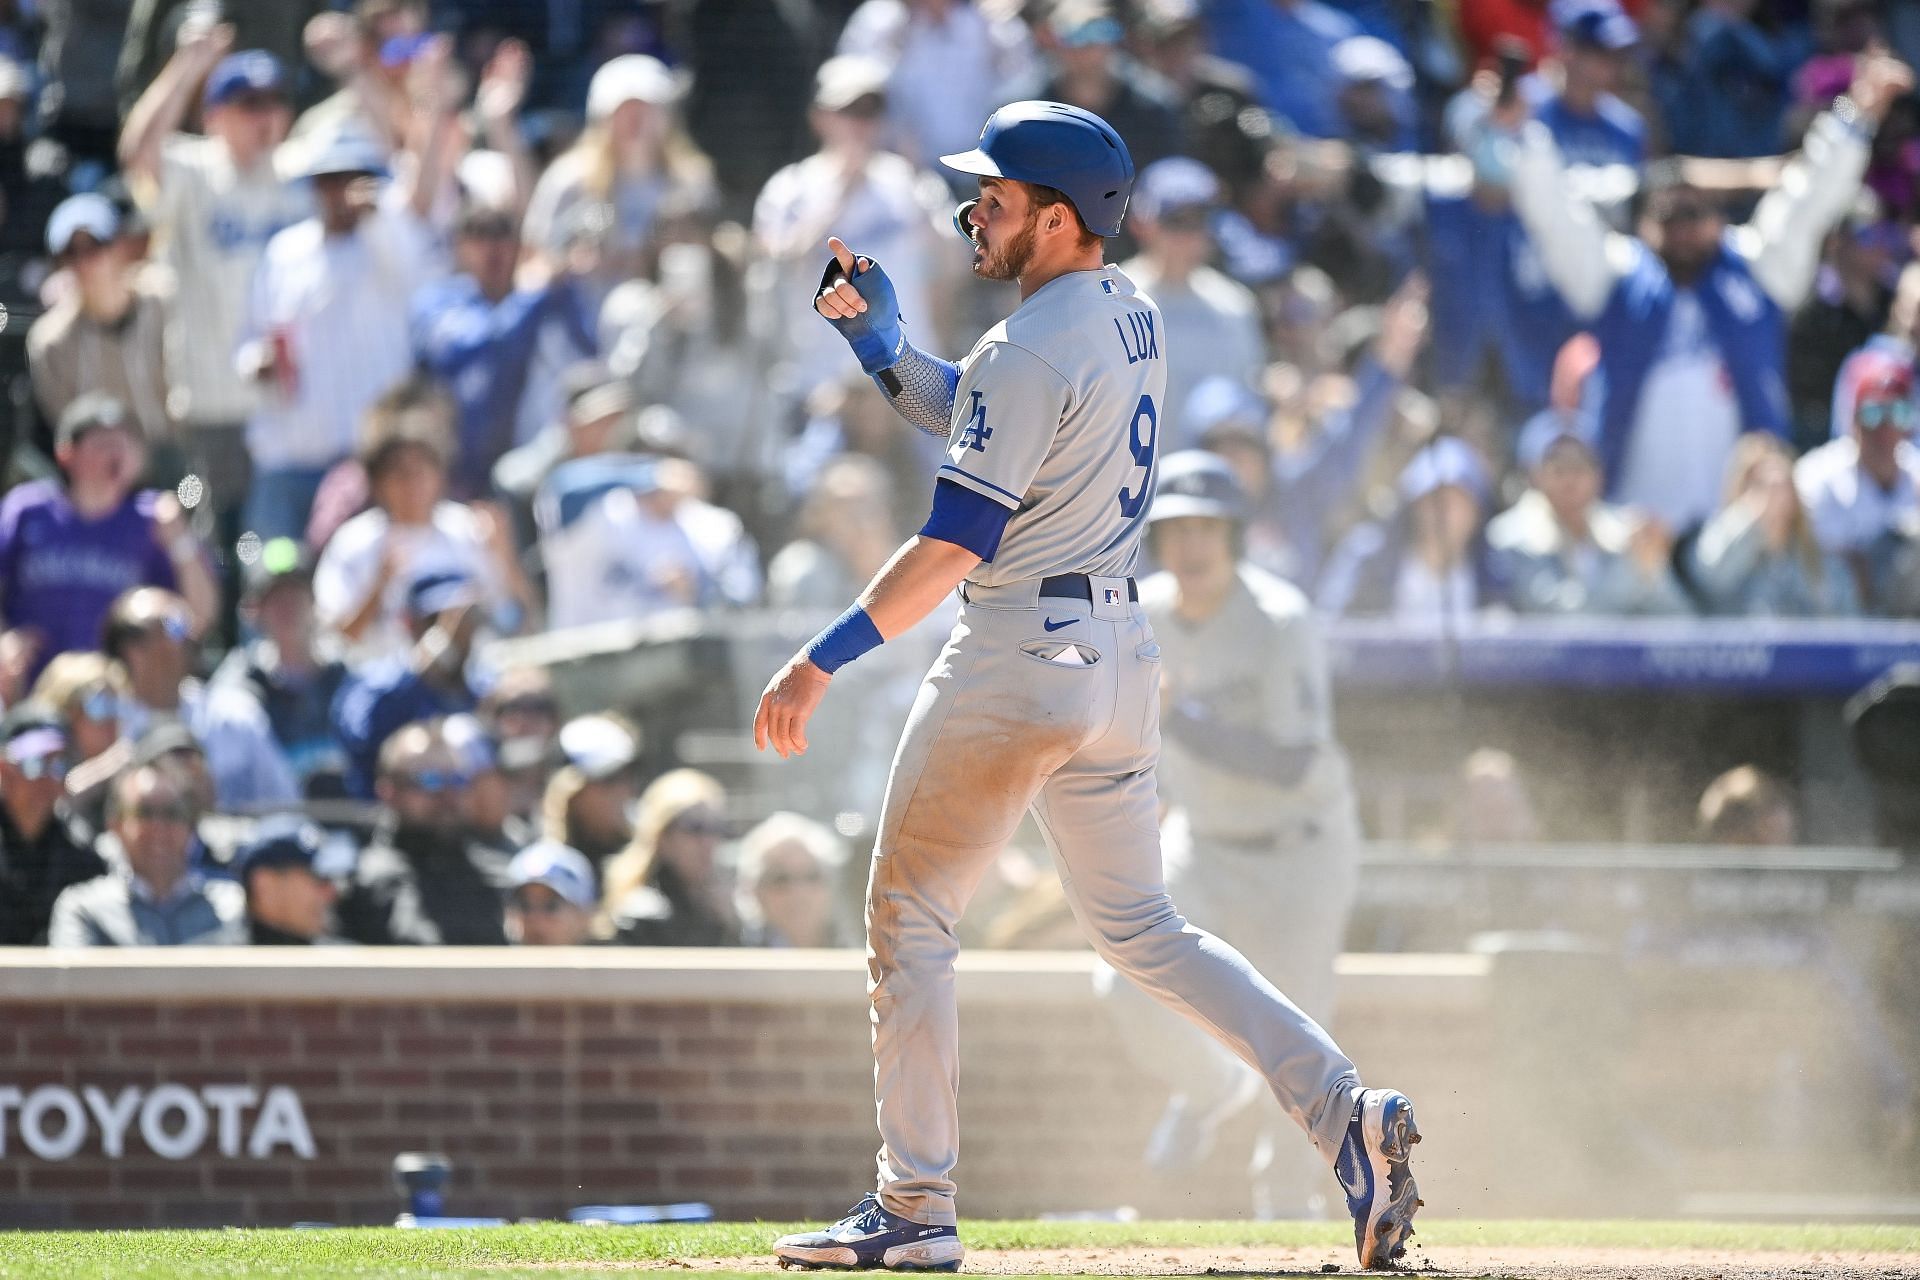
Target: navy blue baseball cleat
1372,1168
869,1238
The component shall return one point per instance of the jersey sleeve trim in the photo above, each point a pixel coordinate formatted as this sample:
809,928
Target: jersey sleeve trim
1004,497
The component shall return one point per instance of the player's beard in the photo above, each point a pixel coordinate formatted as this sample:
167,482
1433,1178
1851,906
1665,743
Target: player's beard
1011,259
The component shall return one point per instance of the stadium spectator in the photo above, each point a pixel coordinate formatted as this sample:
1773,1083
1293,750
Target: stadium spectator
1212,323
151,897
851,187
595,417
326,327
851,416
1745,806
287,870
1849,305
1219,113
1591,125
667,888
172,746
604,194
490,817
1862,491
1376,94
1758,556
498,345
521,715
843,534
625,538
590,798
1896,339
550,897
367,52
1082,40
149,633
1426,564
43,849
1561,550
1691,316
1729,90
1288,46
422,881
412,529
70,547
78,688
788,864
215,202
107,335
428,680
949,64
292,670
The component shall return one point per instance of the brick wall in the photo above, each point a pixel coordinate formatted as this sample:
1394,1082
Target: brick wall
633,1078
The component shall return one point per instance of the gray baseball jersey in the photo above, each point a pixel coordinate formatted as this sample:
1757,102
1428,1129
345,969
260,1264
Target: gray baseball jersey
1056,417
1050,703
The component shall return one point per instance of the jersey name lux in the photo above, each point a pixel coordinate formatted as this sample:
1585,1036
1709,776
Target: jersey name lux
1137,337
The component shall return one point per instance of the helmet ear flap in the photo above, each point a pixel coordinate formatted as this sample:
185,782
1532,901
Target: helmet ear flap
961,212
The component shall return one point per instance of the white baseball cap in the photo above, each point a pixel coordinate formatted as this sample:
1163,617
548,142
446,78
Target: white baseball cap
847,78
89,212
631,77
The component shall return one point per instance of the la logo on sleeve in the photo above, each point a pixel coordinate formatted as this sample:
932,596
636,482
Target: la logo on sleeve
976,433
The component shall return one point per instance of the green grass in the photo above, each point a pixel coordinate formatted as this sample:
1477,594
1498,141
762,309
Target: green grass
551,1249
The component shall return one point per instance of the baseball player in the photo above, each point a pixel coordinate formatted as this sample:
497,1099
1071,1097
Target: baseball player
1261,837
1046,696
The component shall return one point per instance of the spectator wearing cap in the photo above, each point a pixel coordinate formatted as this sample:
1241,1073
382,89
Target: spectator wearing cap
423,881
1590,124
214,201
325,333
1082,41
1862,491
855,188
949,64
499,348
522,716
624,538
152,897
79,688
1426,564
1293,495
149,634
1212,322
1560,550
288,870
157,28
70,547
1691,316
596,416
43,849
412,528
588,801
1213,94
603,195
1758,556
491,820
1288,46
1863,296
290,667
1729,90
427,681
172,746
788,865
550,897
1376,94
667,888
107,335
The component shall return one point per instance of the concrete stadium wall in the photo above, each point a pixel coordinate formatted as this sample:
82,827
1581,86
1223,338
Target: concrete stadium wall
152,1088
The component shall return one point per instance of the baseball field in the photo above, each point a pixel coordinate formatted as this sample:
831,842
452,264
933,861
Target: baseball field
1516,1250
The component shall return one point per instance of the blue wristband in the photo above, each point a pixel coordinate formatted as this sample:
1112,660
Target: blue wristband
846,638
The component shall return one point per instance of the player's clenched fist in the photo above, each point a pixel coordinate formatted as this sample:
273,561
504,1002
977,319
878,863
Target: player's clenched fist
787,704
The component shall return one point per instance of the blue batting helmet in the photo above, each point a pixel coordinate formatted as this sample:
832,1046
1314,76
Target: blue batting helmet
1055,145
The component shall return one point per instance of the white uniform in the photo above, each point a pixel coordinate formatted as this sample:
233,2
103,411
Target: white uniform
1047,697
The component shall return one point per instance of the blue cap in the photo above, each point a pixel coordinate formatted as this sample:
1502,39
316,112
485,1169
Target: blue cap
249,71
290,841
398,51
1448,462
559,867
1222,402
1602,24
1548,428
1175,183
439,589
1371,60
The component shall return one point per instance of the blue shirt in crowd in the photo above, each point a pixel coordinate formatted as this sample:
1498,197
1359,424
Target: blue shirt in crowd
377,701
1289,49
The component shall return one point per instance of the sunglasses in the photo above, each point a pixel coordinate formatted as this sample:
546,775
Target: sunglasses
180,813
435,781
99,704
788,879
697,827
551,904
38,767
1898,414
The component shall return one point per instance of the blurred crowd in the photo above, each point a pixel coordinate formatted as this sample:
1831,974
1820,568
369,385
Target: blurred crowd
342,337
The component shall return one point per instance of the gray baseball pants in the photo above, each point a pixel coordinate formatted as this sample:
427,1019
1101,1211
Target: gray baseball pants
1064,721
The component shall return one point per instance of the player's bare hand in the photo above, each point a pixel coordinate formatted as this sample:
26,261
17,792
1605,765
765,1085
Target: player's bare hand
790,700
840,300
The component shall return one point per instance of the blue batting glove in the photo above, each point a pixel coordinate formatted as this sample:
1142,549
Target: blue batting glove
875,334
